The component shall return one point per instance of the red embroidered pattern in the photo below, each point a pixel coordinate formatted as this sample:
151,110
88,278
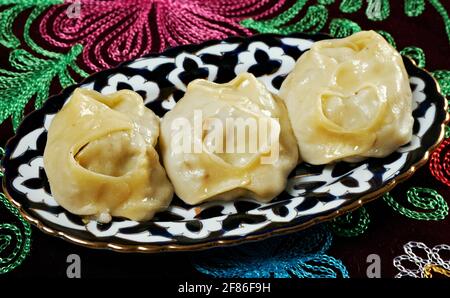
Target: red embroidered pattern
114,31
440,162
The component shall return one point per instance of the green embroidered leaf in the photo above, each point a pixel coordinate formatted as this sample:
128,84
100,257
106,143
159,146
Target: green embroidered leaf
443,78
378,10
31,3
343,27
325,2
388,37
414,8
22,60
8,16
26,34
350,6
351,224
416,54
269,26
314,20
440,8
33,78
15,242
429,200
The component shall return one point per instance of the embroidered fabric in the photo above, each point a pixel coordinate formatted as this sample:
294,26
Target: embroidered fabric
298,255
419,260
429,200
15,238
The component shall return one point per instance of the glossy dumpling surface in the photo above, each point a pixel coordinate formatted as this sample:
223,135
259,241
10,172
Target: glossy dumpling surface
349,99
205,170
100,158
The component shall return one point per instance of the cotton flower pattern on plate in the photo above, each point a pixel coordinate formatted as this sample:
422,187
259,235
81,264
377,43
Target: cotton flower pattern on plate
266,63
148,90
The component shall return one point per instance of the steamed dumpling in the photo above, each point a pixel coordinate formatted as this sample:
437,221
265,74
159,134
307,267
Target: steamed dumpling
349,99
100,158
207,164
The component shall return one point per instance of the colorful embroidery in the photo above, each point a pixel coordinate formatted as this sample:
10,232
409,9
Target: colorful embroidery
414,8
350,6
115,31
436,208
342,27
351,224
413,265
377,10
440,162
429,269
14,242
443,78
313,21
32,78
416,54
8,16
298,255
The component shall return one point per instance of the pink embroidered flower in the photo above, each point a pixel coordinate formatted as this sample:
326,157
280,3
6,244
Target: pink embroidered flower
113,31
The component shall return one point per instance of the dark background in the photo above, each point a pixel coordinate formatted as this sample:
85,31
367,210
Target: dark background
388,230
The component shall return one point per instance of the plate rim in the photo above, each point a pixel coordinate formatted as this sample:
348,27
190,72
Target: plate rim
158,248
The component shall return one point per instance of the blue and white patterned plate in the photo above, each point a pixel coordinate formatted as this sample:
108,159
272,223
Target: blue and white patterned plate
313,194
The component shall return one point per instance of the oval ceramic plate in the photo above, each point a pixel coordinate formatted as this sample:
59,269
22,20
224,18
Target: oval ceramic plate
313,194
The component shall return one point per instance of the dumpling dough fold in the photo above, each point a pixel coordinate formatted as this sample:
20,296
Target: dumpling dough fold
226,174
100,158
349,99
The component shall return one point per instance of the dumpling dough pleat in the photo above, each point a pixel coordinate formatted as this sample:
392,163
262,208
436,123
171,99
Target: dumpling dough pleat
349,99
100,158
210,174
